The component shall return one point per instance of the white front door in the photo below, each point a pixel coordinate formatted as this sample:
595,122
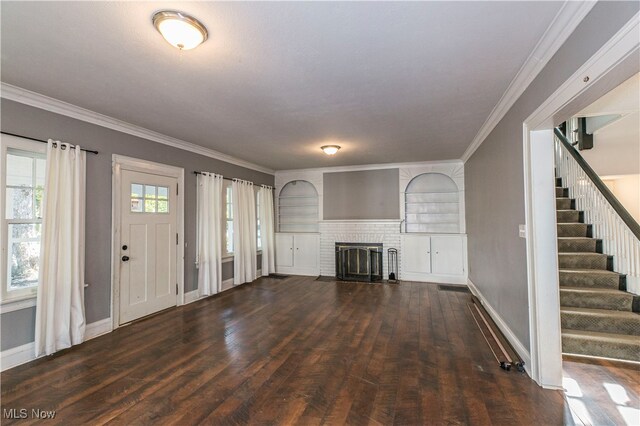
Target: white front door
148,242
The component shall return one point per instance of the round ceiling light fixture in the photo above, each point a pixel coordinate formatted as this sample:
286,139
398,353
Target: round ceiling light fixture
330,149
179,29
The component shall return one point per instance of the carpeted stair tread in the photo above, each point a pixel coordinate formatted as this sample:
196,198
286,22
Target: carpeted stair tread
579,244
592,278
598,298
564,203
608,345
584,261
561,192
600,320
574,230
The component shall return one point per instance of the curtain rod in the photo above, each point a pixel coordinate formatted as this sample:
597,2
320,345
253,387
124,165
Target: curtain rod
226,178
43,141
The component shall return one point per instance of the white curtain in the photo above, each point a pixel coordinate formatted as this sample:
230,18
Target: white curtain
267,232
60,319
209,235
244,232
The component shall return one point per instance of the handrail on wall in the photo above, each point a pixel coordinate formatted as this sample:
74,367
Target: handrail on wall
606,192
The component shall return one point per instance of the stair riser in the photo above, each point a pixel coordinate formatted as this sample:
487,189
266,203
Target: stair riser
562,192
616,350
558,182
565,204
585,261
586,245
573,279
601,323
574,230
616,302
569,216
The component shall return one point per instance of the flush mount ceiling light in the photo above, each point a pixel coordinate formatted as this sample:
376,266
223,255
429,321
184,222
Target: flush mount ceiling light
179,29
330,149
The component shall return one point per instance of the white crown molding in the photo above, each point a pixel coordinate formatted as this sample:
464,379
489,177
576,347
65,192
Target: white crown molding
27,97
362,167
564,23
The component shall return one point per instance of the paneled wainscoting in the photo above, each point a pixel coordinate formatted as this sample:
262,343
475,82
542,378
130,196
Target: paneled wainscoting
292,351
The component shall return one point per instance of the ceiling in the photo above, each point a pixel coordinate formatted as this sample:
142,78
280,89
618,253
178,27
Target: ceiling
390,82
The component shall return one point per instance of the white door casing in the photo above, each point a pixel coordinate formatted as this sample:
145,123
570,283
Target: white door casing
158,288
148,241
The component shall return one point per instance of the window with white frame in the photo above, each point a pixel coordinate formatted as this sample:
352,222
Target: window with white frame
228,220
23,191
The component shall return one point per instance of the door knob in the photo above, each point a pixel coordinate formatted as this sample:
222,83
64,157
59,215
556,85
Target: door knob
125,258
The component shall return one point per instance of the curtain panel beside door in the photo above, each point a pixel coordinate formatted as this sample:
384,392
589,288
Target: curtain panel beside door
60,316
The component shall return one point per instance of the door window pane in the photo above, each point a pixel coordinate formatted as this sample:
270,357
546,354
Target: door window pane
163,206
136,205
136,190
149,206
163,193
149,198
149,191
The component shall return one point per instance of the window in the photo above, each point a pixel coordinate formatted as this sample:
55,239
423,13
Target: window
149,198
228,233
258,220
23,194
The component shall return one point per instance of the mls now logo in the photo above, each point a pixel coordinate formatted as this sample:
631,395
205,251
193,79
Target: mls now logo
23,413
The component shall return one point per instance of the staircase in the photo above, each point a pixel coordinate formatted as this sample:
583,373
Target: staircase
599,318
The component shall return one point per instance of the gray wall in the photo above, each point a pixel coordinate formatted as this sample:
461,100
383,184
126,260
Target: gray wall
494,177
368,194
33,122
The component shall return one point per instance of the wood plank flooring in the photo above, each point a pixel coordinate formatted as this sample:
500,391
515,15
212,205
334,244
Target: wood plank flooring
293,351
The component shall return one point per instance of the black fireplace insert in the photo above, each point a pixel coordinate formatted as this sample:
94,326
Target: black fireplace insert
359,261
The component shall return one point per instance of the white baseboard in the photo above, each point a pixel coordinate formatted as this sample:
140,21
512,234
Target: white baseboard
502,325
227,284
98,328
191,296
22,354
17,356
194,295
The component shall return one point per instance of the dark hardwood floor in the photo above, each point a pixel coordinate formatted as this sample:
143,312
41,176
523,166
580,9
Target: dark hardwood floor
293,351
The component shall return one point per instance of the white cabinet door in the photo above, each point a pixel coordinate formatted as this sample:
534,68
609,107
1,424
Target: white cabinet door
447,255
284,250
416,254
305,252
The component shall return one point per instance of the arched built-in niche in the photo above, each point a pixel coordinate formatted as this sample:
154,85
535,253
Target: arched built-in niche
298,207
432,204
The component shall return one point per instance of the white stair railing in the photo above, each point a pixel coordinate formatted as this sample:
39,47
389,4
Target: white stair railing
610,222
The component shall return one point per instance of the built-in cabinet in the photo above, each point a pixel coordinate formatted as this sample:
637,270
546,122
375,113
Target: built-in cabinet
433,258
298,253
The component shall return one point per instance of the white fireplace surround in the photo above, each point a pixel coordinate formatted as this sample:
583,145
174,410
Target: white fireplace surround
386,232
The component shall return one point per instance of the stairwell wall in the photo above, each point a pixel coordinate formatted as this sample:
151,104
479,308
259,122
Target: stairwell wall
494,176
